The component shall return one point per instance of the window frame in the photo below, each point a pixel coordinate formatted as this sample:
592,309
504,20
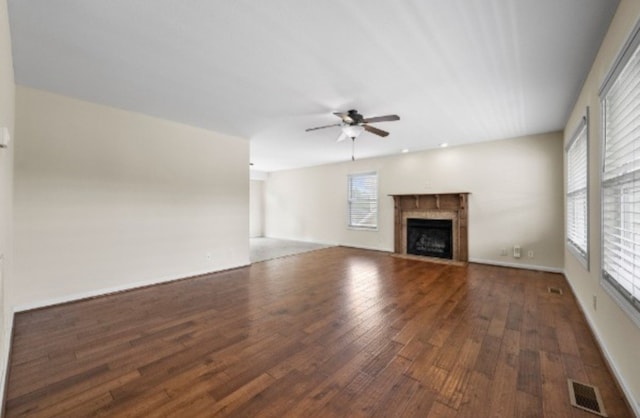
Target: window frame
350,225
582,255
611,286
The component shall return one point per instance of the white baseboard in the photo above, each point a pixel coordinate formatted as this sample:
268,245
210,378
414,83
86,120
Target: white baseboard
108,290
327,243
517,265
364,247
608,358
4,365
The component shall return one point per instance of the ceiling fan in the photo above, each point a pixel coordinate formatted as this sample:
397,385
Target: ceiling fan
353,123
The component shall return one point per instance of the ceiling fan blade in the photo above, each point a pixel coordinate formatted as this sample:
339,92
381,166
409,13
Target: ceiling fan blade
322,127
344,116
386,118
375,131
342,137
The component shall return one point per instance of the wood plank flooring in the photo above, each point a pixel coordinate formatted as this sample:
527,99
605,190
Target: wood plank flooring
337,332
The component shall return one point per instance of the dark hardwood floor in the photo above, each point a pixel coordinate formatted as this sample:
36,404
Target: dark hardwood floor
334,332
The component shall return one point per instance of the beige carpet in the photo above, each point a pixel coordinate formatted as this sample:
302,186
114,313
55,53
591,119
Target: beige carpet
262,249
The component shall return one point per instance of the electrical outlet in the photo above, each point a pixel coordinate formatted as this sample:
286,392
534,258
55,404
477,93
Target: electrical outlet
208,256
517,251
503,251
530,254
595,303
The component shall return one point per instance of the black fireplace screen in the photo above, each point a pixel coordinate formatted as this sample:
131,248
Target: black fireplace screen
430,237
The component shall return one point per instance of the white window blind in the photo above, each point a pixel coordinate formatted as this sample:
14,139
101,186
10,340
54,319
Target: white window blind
363,200
621,175
577,187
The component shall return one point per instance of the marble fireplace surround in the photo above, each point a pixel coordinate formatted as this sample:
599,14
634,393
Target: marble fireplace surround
453,206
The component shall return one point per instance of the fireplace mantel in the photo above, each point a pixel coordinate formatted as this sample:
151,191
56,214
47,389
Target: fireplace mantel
452,206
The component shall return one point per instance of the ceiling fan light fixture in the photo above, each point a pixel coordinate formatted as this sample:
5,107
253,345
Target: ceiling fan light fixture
352,131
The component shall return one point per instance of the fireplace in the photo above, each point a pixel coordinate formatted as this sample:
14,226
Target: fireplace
430,237
432,226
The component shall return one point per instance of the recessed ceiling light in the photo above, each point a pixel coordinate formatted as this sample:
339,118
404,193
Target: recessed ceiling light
404,151
444,145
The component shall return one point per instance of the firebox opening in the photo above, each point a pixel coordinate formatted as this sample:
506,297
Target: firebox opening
430,237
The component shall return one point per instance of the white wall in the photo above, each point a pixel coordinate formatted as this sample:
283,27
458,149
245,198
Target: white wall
256,209
515,185
108,199
618,335
7,92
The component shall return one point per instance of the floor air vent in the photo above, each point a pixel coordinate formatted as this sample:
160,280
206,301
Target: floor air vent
555,290
586,397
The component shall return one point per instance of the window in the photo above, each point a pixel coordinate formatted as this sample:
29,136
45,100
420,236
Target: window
577,194
620,97
363,201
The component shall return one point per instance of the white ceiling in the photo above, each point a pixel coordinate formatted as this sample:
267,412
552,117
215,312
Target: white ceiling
456,71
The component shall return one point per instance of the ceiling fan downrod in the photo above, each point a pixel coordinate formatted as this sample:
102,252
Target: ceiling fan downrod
353,148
